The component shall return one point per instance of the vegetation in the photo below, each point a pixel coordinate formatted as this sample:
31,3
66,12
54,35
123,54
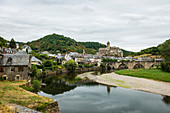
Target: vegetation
109,60
165,52
92,45
124,61
10,92
155,74
55,42
151,50
35,71
3,42
70,65
12,43
78,78
36,85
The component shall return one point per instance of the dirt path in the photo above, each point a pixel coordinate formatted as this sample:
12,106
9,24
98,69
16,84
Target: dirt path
135,83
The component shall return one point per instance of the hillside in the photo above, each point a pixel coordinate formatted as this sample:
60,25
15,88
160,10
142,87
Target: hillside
56,42
3,42
64,44
150,50
92,45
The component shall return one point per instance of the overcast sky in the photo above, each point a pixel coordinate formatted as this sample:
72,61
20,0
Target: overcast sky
129,24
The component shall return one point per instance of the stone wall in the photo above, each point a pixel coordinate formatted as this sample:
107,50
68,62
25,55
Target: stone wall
11,75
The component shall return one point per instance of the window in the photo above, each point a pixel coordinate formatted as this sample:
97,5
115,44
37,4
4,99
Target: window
20,69
12,68
17,77
4,78
1,69
9,60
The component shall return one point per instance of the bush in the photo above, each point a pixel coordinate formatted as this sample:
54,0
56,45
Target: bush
109,60
27,88
165,67
70,65
78,79
124,60
36,85
48,63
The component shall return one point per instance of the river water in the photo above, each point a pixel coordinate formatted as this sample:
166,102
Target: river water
89,97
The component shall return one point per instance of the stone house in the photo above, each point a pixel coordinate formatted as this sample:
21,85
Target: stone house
14,66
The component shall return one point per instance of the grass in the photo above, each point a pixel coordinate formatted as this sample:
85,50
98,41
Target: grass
155,74
11,92
78,79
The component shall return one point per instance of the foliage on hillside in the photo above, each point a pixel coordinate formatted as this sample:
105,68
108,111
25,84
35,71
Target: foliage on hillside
56,42
92,45
3,42
150,50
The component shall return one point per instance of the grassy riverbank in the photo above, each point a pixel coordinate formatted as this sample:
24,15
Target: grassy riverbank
10,92
155,74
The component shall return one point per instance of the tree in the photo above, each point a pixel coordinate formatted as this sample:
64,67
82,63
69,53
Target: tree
12,43
165,50
35,71
36,85
48,63
70,65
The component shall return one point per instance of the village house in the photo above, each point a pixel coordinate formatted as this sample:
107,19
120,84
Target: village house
14,66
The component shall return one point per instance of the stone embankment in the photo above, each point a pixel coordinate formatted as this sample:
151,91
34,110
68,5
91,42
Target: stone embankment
135,83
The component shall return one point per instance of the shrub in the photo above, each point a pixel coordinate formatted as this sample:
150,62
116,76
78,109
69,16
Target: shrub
165,67
78,79
70,65
36,85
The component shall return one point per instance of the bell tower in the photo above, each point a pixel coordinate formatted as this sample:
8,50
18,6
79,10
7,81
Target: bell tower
108,45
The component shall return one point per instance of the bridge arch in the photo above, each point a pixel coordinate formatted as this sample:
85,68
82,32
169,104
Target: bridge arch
122,66
138,65
153,65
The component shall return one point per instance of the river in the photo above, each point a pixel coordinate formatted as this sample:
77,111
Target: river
90,97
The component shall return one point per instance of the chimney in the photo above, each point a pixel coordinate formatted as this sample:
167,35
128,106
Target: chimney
3,50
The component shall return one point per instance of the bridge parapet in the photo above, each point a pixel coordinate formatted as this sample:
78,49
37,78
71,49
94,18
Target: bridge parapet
132,64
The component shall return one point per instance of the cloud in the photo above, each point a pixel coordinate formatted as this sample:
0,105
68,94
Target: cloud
132,25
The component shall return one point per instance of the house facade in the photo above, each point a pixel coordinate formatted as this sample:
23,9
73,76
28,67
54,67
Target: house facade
14,66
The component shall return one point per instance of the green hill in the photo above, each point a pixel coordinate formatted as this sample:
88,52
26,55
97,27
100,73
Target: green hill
3,42
92,45
150,50
56,42
64,44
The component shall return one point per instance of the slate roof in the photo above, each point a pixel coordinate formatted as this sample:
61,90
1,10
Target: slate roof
17,59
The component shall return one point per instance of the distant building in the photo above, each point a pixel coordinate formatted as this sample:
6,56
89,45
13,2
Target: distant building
36,61
14,66
111,51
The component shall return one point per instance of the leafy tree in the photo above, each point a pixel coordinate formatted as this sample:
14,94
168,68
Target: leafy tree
165,50
70,65
12,43
35,71
48,63
36,85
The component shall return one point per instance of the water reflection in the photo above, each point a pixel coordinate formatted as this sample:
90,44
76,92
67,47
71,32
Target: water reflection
90,97
166,100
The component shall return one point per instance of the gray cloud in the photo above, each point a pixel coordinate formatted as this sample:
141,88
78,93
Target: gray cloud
132,25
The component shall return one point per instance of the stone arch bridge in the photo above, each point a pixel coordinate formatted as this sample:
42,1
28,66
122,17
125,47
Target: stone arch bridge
132,64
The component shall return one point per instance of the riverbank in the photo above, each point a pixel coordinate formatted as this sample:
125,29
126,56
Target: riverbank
155,74
135,83
10,92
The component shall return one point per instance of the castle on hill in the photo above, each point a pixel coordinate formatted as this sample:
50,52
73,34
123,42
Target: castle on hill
111,51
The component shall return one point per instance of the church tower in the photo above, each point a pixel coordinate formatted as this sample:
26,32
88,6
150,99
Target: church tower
108,45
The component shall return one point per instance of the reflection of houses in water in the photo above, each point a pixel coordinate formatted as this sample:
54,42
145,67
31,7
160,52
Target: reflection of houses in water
108,89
